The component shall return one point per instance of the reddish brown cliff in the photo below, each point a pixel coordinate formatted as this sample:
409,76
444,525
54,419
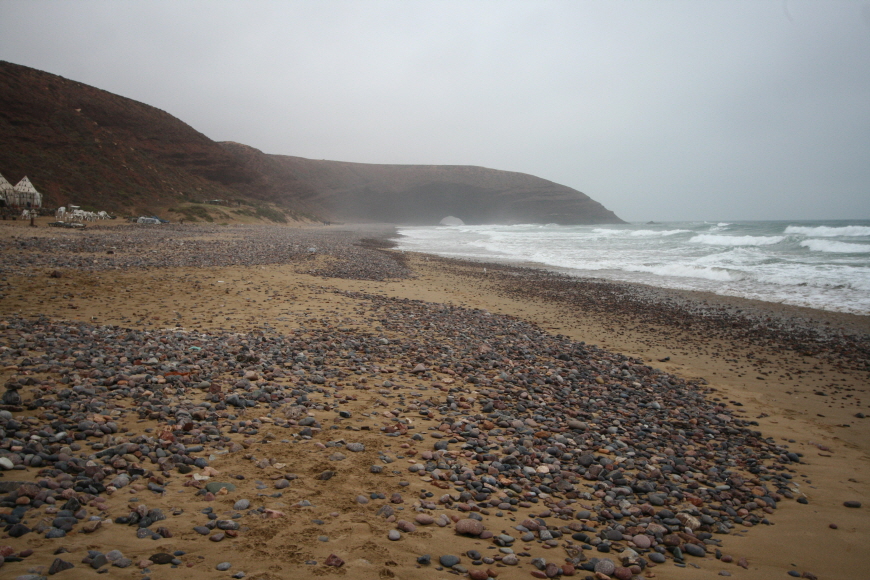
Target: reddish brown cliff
82,144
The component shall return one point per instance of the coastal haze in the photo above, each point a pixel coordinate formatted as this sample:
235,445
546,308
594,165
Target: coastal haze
301,373
670,112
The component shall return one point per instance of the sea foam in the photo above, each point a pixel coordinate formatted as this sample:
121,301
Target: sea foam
829,232
688,271
716,240
836,247
654,233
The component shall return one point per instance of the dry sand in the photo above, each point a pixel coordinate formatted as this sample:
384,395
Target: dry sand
777,388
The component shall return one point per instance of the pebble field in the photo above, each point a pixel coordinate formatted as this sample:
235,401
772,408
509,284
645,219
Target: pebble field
362,434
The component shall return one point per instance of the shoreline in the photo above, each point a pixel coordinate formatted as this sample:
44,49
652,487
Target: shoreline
703,307
754,374
495,260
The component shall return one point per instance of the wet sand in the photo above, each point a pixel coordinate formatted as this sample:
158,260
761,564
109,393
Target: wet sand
799,377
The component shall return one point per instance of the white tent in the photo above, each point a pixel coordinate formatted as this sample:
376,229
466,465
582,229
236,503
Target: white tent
5,189
25,195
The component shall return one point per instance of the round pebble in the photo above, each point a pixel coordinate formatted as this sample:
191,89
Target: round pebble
642,541
469,527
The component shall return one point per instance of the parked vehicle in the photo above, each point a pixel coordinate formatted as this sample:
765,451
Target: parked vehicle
76,225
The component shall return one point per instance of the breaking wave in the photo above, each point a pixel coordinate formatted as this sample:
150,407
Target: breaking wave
688,271
654,233
828,232
836,247
714,240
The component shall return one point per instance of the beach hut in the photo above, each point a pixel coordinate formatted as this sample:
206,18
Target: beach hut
5,191
25,195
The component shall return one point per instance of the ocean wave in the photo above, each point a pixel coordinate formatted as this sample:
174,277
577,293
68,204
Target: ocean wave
714,240
654,233
688,271
758,261
836,247
829,232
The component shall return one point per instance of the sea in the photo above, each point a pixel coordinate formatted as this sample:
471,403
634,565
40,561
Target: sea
816,264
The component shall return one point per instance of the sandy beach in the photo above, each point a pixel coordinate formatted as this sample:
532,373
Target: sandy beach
308,401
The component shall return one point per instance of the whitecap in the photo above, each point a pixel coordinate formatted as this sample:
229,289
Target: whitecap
688,271
829,232
607,232
835,247
654,233
714,240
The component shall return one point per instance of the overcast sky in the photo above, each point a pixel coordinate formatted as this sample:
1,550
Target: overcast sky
692,110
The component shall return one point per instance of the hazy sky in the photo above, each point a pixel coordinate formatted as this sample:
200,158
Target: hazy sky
660,110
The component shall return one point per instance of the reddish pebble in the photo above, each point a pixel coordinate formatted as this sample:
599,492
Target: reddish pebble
25,553
642,541
568,570
833,526
333,560
478,574
469,527
726,558
622,573
743,563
